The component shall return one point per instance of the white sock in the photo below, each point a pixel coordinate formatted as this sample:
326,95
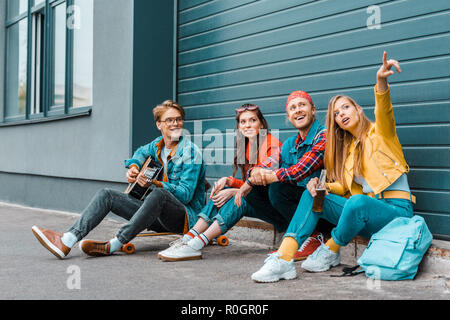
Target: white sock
190,235
115,245
199,242
69,239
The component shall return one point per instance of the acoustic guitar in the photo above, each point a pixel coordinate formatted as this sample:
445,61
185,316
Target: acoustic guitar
152,170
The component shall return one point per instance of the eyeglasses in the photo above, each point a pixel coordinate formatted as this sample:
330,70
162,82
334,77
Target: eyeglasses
171,121
251,107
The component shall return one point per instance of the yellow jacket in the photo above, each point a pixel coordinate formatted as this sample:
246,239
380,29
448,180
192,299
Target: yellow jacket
383,160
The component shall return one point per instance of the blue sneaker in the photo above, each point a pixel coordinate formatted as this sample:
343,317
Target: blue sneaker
322,260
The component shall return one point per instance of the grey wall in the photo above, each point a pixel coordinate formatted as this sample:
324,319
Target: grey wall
65,194
90,147
2,57
153,64
81,149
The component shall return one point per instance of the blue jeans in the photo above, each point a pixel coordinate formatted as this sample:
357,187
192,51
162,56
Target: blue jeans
357,215
227,215
260,203
160,211
275,203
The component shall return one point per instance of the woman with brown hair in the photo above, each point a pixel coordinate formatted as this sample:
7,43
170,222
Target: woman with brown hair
253,146
367,183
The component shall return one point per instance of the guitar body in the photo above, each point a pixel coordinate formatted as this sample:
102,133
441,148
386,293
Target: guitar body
152,170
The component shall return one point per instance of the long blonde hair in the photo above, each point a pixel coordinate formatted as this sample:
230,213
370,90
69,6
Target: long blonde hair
339,141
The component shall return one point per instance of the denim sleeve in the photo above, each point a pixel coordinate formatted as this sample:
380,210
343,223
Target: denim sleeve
309,162
141,154
192,168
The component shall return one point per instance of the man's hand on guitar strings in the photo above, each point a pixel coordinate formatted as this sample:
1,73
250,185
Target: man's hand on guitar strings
132,173
143,181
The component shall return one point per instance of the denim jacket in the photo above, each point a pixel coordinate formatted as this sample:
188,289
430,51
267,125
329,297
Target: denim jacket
185,173
301,160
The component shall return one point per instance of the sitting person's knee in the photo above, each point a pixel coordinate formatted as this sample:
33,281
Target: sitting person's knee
357,200
157,193
356,204
276,194
104,193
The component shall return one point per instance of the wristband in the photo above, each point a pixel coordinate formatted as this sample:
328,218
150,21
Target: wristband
229,181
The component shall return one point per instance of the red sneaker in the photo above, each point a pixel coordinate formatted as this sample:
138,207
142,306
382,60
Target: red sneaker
309,246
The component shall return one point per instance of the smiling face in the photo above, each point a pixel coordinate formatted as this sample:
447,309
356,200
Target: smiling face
301,113
346,115
171,130
249,124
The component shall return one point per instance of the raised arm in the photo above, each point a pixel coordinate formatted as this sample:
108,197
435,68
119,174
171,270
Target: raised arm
384,114
385,71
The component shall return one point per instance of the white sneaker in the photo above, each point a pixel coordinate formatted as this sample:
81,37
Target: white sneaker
275,269
180,253
321,260
174,244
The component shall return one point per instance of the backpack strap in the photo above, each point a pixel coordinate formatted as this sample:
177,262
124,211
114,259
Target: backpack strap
349,271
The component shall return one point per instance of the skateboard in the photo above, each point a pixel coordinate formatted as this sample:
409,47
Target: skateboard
129,248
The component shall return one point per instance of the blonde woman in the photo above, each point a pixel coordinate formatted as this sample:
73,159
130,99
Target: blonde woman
368,184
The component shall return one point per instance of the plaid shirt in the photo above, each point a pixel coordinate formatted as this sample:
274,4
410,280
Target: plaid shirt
306,165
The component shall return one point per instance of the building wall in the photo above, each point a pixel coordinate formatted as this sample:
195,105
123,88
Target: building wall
153,64
47,162
2,56
245,51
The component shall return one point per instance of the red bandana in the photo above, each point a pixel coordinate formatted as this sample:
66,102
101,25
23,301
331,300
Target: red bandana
299,94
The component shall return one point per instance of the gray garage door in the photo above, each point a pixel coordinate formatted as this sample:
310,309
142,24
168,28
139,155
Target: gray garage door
236,51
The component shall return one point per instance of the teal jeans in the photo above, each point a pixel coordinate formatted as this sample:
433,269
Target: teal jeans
226,216
357,215
260,203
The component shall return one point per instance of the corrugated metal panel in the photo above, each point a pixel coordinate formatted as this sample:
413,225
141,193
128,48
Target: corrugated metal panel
237,51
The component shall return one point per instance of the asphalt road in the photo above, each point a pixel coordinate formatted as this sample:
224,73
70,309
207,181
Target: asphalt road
30,272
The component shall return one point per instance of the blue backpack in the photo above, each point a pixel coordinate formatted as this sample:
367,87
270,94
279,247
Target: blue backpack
394,252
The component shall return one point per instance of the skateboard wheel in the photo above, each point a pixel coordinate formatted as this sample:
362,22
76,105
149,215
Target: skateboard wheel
223,241
128,248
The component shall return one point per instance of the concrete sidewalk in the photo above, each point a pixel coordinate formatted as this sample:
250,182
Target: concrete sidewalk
29,271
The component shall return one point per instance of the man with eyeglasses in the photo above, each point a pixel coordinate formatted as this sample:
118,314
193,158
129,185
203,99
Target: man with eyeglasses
171,206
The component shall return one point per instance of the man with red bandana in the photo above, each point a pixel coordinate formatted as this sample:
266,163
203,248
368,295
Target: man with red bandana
278,183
